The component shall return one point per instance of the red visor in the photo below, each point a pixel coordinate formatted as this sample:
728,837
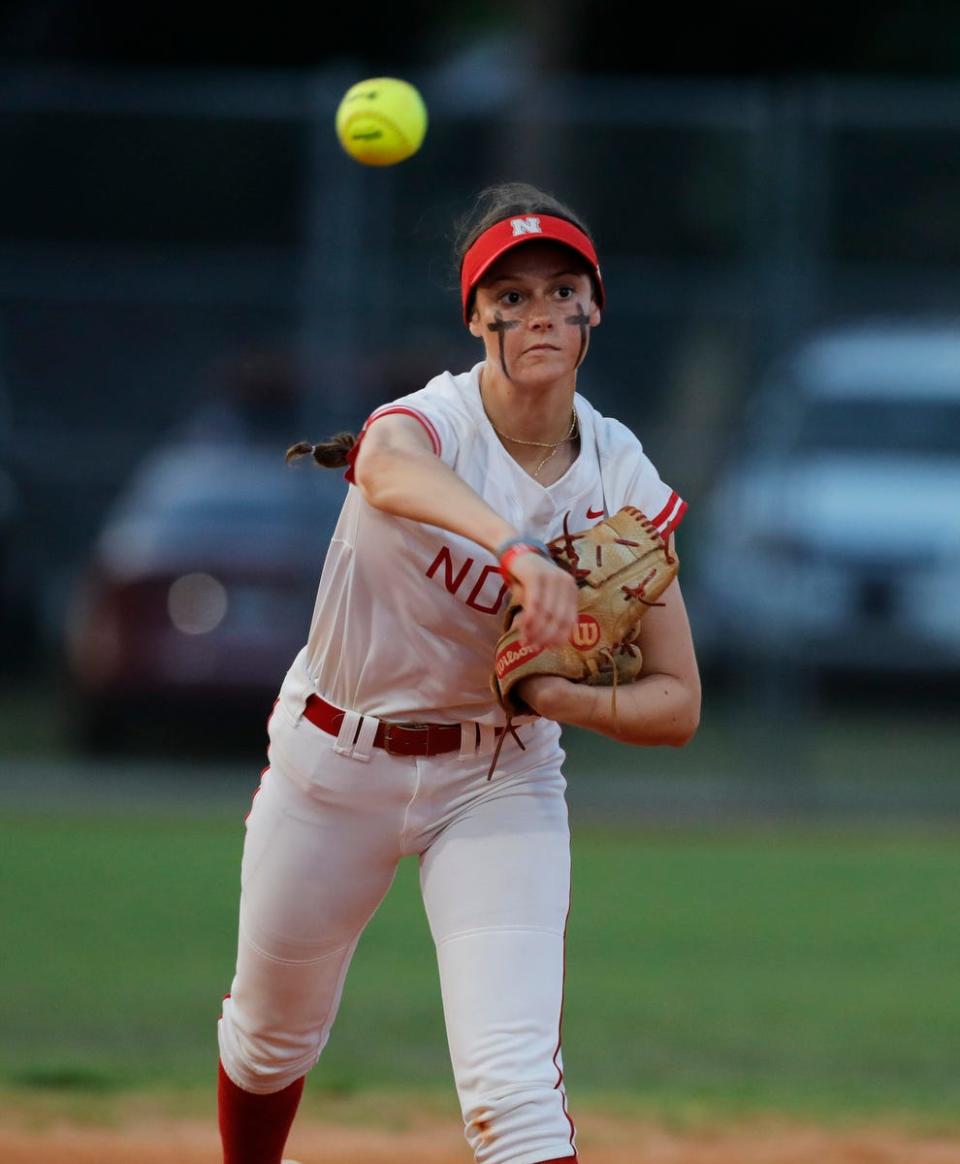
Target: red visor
511,232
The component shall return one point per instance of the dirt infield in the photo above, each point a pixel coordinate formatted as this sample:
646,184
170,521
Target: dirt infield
602,1140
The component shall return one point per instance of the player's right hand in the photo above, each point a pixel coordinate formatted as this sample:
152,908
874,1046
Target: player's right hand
548,596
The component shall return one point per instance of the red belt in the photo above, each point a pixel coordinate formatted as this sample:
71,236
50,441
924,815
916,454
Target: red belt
396,739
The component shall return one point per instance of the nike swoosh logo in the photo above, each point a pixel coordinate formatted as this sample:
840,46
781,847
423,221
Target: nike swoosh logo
591,513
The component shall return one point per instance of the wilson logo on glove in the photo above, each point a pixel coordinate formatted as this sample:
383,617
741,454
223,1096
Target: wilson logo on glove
512,657
586,634
622,565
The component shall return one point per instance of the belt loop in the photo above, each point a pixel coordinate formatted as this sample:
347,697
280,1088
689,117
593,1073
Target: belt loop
469,739
488,739
349,730
363,748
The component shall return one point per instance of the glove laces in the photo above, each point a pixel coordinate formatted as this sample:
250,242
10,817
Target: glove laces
508,730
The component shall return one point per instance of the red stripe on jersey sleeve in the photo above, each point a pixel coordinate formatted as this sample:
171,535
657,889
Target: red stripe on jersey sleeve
387,410
406,410
671,515
674,521
667,509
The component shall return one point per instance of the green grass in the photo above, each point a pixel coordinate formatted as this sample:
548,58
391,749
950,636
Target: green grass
813,972
807,972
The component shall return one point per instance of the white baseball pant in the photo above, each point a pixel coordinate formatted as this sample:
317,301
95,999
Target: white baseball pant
324,836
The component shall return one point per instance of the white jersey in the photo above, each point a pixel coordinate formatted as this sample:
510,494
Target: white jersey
407,615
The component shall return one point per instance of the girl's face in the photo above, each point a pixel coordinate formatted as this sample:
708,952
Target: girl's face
534,310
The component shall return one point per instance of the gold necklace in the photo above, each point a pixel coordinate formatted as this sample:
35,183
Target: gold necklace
569,435
571,431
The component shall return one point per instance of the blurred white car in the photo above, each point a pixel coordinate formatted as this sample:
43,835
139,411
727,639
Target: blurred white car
834,534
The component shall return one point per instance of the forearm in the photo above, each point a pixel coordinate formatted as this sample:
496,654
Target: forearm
421,487
399,476
654,710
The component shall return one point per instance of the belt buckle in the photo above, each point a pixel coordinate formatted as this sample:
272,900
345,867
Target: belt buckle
407,727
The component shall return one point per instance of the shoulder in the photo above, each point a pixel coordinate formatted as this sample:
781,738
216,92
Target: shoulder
447,393
617,438
630,475
442,407
613,437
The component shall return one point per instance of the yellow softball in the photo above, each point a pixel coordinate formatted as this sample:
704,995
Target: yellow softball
381,121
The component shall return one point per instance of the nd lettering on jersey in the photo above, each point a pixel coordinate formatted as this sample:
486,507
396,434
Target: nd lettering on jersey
480,578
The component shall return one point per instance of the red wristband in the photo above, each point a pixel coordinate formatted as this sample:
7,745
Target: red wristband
514,550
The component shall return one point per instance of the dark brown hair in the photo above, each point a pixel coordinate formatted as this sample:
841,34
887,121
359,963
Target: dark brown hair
330,454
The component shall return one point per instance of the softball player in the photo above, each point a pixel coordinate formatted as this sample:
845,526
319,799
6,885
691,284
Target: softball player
382,736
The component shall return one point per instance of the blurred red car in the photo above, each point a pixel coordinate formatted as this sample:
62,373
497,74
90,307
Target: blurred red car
199,591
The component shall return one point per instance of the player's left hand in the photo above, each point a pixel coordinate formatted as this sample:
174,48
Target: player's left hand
550,695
